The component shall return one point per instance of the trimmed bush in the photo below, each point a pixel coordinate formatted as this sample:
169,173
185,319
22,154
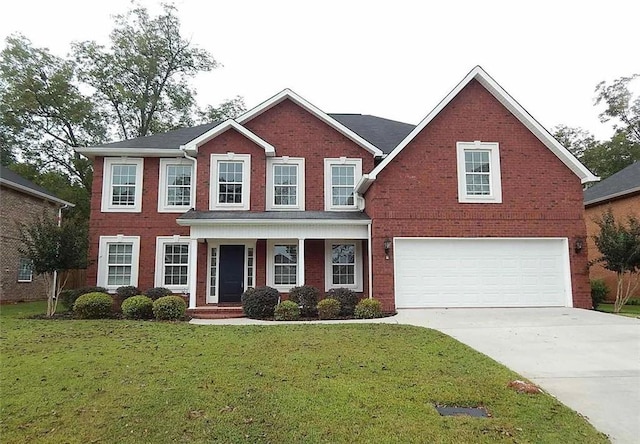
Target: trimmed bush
599,292
137,307
368,309
127,291
328,308
169,308
157,292
306,297
633,301
93,306
68,297
287,311
260,302
347,298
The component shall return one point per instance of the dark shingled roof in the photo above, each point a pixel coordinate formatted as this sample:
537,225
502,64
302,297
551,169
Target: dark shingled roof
383,133
276,215
8,175
621,183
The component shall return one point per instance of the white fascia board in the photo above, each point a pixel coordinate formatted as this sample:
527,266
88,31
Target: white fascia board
514,107
128,152
226,125
289,94
35,193
195,222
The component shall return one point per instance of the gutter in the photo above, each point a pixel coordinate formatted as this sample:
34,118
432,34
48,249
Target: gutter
194,180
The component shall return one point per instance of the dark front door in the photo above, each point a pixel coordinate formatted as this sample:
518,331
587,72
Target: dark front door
231,278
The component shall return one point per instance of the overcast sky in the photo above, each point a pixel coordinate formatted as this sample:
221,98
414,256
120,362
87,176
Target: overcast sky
395,59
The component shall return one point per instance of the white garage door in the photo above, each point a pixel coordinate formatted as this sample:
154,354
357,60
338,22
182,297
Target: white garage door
487,272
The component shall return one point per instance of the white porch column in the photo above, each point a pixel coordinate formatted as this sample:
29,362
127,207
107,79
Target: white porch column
300,261
193,271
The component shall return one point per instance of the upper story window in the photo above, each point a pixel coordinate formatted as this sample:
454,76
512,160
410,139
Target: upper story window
285,183
118,260
341,177
479,172
25,270
122,185
230,181
175,193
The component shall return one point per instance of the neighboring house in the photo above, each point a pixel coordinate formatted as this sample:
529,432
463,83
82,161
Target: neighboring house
476,206
620,193
21,202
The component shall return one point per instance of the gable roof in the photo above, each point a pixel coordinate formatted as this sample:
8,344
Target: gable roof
508,102
193,145
326,118
13,180
620,184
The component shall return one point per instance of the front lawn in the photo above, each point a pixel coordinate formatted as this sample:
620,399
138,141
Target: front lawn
627,310
125,381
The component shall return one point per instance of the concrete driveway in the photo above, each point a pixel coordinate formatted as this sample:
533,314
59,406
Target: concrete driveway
588,360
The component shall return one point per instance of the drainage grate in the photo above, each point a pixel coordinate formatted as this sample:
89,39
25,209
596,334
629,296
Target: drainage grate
476,412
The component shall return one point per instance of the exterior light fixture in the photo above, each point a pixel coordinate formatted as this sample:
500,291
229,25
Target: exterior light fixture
387,247
578,245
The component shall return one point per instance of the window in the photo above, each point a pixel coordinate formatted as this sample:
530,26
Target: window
118,261
283,265
175,190
341,177
25,270
122,185
213,274
479,172
172,262
230,181
343,265
285,183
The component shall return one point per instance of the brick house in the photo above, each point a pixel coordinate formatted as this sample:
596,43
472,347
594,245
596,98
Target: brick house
619,192
21,201
477,205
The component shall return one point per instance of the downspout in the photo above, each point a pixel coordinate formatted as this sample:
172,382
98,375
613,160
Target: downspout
195,170
194,245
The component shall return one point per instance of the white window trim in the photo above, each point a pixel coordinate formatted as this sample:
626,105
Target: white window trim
246,181
161,241
495,181
328,201
328,265
103,253
217,245
271,163
107,189
20,269
163,186
271,263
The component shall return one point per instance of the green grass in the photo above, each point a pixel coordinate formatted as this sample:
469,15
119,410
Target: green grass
627,310
128,382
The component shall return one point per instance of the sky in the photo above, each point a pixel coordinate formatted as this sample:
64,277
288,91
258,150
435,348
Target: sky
393,59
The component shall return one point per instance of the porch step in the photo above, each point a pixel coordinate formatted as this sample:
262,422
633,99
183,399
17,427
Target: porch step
216,312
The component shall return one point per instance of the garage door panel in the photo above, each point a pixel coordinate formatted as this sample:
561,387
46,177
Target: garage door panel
481,272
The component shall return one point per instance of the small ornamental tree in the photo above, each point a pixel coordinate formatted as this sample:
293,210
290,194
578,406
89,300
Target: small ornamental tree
52,250
619,245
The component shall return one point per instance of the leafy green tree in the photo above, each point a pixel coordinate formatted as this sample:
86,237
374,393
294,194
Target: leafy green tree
229,109
141,79
622,107
53,250
619,245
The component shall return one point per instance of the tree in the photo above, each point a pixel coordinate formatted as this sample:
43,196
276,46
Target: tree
619,245
141,79
229,109
622,108
53,248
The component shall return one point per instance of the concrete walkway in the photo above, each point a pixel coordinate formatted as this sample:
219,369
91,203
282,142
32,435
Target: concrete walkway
590,361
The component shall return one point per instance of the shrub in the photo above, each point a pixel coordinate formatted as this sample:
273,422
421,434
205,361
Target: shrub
328,308
93,306
137,307
157,292
347,298
368,309
633,301
169,308
287,311
599,292
127,291
307,297
260,302
68,297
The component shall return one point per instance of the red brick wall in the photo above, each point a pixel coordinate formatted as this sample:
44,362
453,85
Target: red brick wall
416,194
621,209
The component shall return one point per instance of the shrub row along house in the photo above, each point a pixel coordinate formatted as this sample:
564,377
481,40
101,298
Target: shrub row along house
478,205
